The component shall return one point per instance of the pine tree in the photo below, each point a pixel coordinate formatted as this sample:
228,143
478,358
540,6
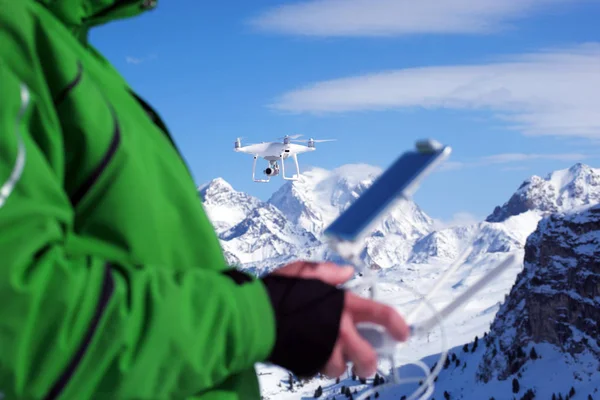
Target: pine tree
446,395
457,362
590,397
376,395
337,381
475,343
363,380
533,354
466,348
446,363
291,381
515,386
318,392
572,392
553,396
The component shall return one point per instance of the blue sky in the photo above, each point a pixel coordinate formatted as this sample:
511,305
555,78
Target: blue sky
513,86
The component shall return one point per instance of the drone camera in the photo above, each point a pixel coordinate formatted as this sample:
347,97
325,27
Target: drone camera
271,171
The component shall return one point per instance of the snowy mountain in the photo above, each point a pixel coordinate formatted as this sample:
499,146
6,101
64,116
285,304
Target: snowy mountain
225,206
559,191
508,227
428,252
259,235
254,234
321,196
265,239
315,200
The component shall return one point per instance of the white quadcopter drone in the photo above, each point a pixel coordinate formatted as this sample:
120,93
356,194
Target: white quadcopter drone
278,151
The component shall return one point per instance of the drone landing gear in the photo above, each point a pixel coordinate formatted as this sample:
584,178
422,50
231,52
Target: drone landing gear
297,175
254,173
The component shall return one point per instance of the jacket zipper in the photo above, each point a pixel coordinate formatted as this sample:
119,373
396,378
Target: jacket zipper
105,296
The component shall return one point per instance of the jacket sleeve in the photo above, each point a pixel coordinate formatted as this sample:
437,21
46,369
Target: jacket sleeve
79,326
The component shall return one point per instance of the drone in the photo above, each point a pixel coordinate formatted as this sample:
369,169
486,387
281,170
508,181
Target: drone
276,152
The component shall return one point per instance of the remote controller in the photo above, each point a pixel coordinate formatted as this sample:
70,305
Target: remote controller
399,181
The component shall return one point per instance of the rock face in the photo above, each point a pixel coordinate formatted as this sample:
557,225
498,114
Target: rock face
561,190
556,298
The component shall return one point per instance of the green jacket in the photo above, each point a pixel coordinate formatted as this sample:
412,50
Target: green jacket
112,279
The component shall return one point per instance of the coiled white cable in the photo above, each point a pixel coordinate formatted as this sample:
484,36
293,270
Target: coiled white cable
418,329
427,387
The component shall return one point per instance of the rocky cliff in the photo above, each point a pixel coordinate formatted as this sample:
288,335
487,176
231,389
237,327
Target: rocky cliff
556,298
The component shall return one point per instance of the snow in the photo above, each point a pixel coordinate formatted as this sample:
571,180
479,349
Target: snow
410,255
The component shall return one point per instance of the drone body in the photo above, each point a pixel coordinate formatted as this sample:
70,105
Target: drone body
275,152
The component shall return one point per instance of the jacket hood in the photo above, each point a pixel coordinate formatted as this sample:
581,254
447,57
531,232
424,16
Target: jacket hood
89,13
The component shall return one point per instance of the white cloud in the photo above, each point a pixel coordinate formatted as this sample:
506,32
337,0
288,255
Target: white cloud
137,60
462,218
552,92
508,158
133,60
520,157
397,17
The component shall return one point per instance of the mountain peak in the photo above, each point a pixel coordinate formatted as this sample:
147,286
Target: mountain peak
215,185
560,190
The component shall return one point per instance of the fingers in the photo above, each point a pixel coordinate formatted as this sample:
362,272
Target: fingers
365,310
328,272
336,365
356,349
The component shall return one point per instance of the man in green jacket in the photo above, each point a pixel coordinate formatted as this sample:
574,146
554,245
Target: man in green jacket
113,283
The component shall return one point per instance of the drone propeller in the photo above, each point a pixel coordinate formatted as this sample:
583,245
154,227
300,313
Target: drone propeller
315,140
290,136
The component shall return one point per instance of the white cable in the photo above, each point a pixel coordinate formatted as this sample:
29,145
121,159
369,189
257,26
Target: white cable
428,384
436,319
446,275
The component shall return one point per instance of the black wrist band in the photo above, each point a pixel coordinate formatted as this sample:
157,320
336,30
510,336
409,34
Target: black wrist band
308,314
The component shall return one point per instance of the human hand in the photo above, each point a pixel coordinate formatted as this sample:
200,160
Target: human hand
352,309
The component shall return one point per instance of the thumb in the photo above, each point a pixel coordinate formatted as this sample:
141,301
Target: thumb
330,273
